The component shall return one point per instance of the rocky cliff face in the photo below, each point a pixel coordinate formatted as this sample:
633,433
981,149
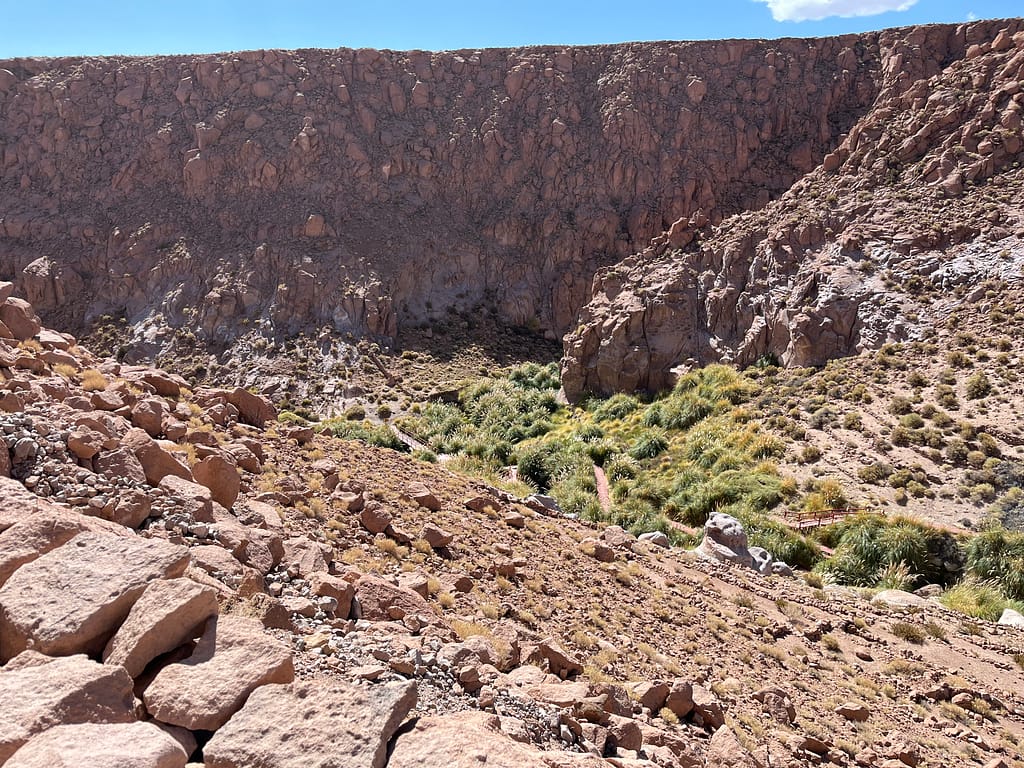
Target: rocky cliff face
363,189
918,206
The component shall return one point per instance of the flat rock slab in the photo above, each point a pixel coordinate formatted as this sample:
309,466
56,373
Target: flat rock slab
39,692
463,740
17,502
313,724
73,598
233,658
42,530
169,613
726,751
896,598
122,745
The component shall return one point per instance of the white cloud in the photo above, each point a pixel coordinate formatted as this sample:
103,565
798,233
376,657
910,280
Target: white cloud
972,16
814,10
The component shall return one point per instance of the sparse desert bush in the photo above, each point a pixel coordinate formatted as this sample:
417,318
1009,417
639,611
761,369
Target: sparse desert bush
958,359
65,370
827,494
93,381
875,473
977,386
810,454
899,406
956,452
355,413
909,632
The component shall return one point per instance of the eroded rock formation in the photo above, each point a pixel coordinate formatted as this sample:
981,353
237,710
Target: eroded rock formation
922,196
362,189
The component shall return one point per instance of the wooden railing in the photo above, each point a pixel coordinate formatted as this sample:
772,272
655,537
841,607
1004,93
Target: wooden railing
804,520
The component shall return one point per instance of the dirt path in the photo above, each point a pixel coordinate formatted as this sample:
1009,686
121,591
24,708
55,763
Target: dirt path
604,495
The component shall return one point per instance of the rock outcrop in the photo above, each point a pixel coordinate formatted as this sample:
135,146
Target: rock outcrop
725,540
835,264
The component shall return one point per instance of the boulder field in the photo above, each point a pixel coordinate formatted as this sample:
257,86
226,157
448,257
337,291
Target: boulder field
318,603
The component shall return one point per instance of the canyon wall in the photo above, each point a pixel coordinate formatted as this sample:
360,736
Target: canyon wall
919,209
359,190
362,189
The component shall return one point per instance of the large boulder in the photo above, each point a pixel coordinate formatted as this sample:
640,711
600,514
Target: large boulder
120,745
169,613
233,658
725,541
39,692
312,723
305,554
120,464
380,600
1011,618
148,414
20,318
221,477
550,655
156,462
73,598
252,409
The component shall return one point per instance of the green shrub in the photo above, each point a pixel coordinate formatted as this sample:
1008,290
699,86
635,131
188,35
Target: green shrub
980,599
782,541
998,555
868,550
363,431
289,417
651,443
977,386
601,451
622,467
537,464
616,407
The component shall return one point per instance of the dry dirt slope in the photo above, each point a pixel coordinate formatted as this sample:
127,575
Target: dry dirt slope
470,597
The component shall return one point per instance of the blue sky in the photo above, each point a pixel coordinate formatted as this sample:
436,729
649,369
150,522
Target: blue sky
95,27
